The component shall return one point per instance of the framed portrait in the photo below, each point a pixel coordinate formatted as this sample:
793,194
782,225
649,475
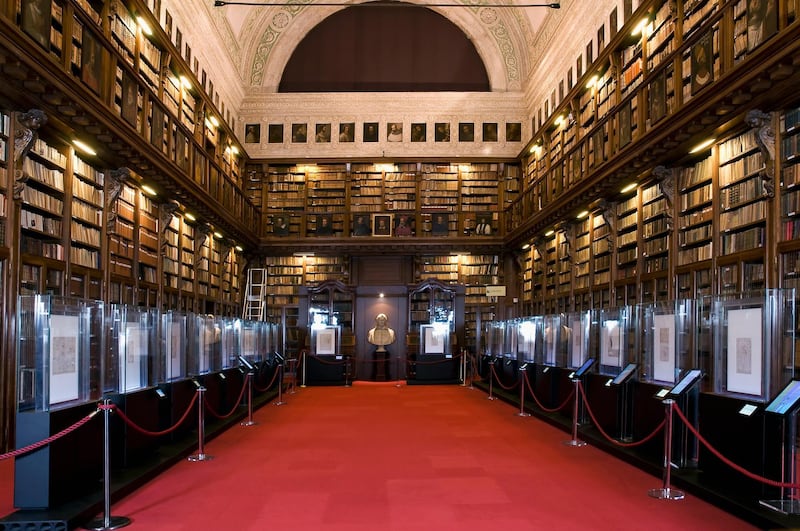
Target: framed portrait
744,342
611,344
612,22
433,342
483,227
442,133
381,224
404,225
361,225
347,132
440,224
624,123
762,21
252,133
466,132
419,132
490,131
514,131
299,133
64,358
702,63
323,225
91,61
579,66
370,131
323,134
275,134
598,151
35,21
663,348
325,340
570,83
130,98
280,225
157,127
394,132
657,93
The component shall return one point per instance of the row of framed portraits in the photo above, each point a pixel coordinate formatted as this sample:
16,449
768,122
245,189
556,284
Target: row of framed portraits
382,224
390,132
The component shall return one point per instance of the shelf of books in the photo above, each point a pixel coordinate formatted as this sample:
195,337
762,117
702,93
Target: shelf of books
695,212
551,266
581,254
742,198
366,188
285,274
538,268
326,188
5,143
86,209
148,248
286,200
439,188
565,248
187,253
660,35
626,238
695,14
656,227
321,269
443,268
478,272
479,189
601,250
42,204
400,187
790,196
171,259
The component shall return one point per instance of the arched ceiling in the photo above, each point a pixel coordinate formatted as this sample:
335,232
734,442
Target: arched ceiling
262,39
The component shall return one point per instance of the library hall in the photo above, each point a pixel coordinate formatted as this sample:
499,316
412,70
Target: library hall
354,264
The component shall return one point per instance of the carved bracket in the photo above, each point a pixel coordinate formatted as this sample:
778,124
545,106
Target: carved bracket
28,124
608,212
204,232
567,232
116,178
165,213
666,182
761,123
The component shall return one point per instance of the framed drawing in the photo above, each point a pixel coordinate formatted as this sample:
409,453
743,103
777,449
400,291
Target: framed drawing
433,341
611,343
442,133
744,356
130,98
381,224
64,361
275,134
91,61
514,131
371,132
299,133
418,132
663,348
35,21
346,132
325,340
702,63
252,133
466,132
490,131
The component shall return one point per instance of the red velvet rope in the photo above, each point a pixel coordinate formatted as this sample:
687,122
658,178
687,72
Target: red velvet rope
507,388
728,461
326,362
45,442
269,385
608,437
174,427
434,362
547,410
235,406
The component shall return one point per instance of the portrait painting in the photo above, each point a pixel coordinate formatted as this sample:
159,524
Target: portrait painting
658,93
440,224
371,132
130,98
381,224
513,132
490,131
466,132
404,225
299,133
702,63
483,227
323,225
624,118
418,132
394,132
280,225
275,133
91,61
35,21
323,134
252,133
347,132
157,127
442,133
361,225
762,21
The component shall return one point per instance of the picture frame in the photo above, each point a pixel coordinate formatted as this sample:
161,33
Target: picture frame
394,132
489,132
598,151
440,224
381,225
361,225
483,225
657,93
280,225
762,22
419,132
624,118
299,133
91,61
275,133
744,351
325,341
663,348
64,363
157,116
442,132
466,132
35,21
432,342
702,57
252,133
404,225
323,225
611,343
346,132
370,131
130,98
514,131
322,133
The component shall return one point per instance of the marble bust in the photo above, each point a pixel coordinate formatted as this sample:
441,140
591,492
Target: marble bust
381,335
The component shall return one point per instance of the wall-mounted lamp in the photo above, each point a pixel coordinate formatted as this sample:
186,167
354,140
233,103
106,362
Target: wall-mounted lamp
629,188
144,26
702,145
549,233
189,216
149,190
84,147
582,214
185,83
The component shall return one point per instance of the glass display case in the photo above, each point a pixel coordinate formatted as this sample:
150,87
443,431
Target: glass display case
59,352
530,340
577,327
256,340
670,337
131,362
231,331
614,348
204,353
173,345
556,338
753,343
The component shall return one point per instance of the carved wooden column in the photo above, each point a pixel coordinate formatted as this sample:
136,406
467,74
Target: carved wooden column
113,187
165,213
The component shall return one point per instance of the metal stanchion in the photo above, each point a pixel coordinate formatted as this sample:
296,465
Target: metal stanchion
201,428
491,379
399,372
303,361
107,521
347,371
462,370
523,375
249,421
666,492
575,441
280,401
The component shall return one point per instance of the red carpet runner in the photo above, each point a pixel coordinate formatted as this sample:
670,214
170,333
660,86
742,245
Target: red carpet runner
406,458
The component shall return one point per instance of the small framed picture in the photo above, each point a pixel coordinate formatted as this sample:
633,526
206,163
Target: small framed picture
252,133
442,133
299,133
275,134
91,61
381,224
157,127
404,225
323,134
490,132
513,132
323,225
280,225
624,117
361,225
130,98
371,132
347,132
483,227
35,21
702,63
762,21
658,94
440,224
394,132
466,132
418,132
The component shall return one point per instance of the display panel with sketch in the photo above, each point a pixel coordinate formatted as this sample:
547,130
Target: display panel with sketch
325,340
434,340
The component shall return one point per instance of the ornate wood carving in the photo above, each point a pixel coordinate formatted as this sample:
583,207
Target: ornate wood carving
567,232
165,213
204,232
116,178
666,182
761,122
608,212
28,124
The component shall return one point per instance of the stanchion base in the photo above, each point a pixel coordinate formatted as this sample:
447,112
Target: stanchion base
666,494
248,423
112,522
575,442
782,506
281,403
491,398
523,414
200,457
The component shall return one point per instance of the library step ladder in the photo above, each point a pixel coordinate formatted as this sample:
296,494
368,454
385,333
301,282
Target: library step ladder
256,295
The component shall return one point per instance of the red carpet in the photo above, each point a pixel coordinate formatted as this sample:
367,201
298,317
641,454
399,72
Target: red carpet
406,458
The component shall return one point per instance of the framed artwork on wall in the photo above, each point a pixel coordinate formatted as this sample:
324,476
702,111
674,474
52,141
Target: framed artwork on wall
275,134
371,132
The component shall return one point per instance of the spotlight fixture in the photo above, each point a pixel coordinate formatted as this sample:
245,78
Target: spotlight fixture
84,147
702,146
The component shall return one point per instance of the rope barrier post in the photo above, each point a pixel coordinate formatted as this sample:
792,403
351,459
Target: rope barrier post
575,441
201,427
107,521
399,371
280,401
303,360
472,366
462,369
347,371
523,375
249,421
491,379
666,492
